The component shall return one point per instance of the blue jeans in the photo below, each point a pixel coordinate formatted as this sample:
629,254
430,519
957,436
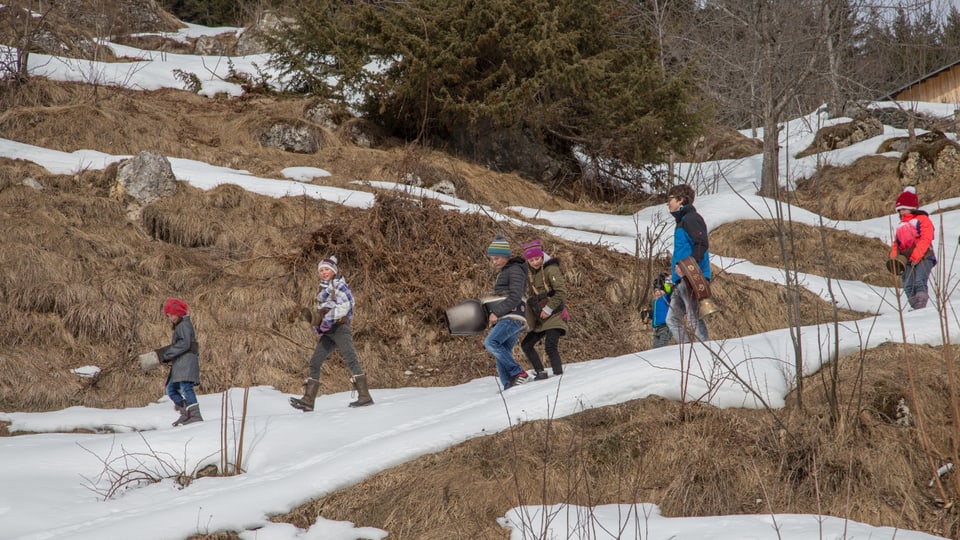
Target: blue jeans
499,342
181,393
914,280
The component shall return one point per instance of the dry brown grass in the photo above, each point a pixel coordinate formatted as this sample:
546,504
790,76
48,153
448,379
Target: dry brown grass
864,467
849,256
865,189
93,282
222,131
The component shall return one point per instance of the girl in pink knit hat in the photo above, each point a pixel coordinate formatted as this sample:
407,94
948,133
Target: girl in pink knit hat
913,239
546,308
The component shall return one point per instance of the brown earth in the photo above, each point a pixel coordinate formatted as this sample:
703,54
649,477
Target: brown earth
82,284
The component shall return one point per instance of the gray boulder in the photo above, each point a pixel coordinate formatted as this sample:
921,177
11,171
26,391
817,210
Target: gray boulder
145,178
843,135
251,39
297,137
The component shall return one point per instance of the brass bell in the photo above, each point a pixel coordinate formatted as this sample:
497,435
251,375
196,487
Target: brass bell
707,307
897,265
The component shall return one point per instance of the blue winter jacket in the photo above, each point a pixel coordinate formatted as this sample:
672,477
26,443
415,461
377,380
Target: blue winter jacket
660,307
690,240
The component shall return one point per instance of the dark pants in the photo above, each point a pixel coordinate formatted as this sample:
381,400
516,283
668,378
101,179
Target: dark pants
338,337
661,336
551,346
914,281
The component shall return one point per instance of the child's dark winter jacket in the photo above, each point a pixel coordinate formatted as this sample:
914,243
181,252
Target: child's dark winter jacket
546,284
182,353
690,240
511,283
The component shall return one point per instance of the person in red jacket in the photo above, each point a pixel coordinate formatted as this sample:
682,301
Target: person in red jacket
914,240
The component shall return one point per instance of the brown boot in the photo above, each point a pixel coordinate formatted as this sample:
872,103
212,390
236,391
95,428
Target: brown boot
305,404
182,409
193,414
363,393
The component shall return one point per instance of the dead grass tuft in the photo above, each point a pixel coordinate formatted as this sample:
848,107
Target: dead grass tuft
865,189
851,257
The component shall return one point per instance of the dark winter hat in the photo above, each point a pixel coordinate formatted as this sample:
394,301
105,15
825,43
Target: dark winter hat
661,281
499,247
176,307
532,249
907,200
331,263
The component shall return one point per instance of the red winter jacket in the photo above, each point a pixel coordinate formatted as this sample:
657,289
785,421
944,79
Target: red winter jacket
924,237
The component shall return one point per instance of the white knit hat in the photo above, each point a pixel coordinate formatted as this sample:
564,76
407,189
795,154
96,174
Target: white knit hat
331,263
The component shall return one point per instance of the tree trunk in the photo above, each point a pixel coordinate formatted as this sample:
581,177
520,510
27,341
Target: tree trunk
770,171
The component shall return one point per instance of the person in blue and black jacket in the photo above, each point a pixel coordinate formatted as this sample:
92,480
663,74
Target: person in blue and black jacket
689,240
659,310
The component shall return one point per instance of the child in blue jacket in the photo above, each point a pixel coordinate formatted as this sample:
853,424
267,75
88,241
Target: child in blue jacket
657,316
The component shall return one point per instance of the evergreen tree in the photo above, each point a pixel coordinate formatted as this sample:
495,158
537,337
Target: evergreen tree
573,73
206,12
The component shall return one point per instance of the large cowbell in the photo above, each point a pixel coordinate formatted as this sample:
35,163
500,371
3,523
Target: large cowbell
470,317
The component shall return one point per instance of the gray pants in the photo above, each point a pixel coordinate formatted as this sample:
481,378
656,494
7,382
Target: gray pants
338,337
661,336
684,315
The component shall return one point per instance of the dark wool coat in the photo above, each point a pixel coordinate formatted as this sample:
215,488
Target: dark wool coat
182,353
546,283
512,283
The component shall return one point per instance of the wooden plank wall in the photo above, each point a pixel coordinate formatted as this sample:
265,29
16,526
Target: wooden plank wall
942,88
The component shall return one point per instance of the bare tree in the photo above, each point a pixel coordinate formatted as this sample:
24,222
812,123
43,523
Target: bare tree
759,56
21,24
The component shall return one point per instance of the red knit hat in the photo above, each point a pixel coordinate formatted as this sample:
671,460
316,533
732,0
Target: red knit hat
175,306
908,199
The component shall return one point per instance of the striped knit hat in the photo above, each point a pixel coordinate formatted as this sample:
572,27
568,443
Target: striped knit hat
533,249
499,247
331,263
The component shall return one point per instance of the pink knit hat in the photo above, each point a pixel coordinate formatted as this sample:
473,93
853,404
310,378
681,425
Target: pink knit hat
532,249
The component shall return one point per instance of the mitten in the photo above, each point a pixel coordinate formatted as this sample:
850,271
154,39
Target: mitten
317,331
325,326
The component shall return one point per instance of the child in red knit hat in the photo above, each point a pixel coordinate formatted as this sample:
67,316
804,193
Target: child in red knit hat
182,356
913,239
